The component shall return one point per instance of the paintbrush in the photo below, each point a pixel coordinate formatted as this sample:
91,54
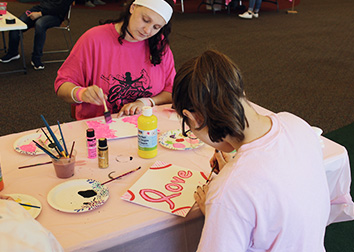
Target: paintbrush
28,205
72,149
215,167
107,114
61,150
121,175
47,147
27,166
51,142
62,138
45,150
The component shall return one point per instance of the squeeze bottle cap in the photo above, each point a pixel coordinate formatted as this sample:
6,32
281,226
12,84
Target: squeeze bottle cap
102,142
147,111
90,132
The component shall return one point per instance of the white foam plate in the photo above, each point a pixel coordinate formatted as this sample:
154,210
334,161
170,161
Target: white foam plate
25,145
30,200
174,140
65,197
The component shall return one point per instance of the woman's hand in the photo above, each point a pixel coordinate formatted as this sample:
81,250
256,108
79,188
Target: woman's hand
71,93
35,15
219,160
94,95
131,108
200,196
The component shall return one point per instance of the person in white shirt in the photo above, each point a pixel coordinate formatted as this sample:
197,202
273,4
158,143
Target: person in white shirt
272,195
20,232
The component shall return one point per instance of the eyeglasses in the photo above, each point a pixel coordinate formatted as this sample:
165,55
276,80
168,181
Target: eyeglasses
187,133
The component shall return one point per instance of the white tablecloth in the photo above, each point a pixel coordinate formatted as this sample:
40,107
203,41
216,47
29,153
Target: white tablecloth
124,225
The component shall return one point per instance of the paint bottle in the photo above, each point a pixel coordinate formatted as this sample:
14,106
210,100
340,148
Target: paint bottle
147,134
1,180
91,143
102,153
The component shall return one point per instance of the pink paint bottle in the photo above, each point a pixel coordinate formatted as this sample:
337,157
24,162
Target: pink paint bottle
91,143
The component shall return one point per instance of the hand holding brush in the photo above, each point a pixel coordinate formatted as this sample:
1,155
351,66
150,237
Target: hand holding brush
219,160
214,165
107,114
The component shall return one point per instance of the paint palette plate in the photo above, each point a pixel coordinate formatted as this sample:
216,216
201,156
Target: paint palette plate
174,140
78,195
30,200
25,145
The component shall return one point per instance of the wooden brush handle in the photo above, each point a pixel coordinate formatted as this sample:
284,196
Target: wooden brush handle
104,102
105,106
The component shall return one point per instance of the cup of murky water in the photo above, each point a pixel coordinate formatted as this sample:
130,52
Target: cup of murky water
65,167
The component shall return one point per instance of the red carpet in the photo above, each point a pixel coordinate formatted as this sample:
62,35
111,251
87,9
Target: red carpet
190,6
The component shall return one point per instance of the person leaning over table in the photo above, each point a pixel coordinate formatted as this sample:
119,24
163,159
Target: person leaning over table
20,232
48,14
272,195
127,61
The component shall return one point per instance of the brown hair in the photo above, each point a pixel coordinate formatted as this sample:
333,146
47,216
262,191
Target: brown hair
157,43
211,86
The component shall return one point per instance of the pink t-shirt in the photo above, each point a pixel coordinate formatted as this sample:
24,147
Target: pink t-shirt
124,72
273,196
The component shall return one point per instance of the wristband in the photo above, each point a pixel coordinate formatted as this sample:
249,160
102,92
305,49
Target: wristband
152,102
79,93
72,95
147,101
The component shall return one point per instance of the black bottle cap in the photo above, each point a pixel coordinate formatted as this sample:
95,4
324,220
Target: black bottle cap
90,132
102,142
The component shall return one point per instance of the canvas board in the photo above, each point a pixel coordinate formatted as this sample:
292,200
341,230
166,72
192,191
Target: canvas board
166,187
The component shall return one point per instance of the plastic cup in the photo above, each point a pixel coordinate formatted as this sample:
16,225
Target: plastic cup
65,167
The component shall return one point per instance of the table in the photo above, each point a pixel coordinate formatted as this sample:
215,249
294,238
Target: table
123,226
19,25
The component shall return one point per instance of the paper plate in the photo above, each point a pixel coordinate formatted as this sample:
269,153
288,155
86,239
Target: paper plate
174,140
78,195
30,200
25,145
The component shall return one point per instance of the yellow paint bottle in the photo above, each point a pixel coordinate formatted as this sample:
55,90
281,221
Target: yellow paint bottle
147,134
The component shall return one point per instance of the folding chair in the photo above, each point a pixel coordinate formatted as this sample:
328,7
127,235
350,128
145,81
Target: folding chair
182,5
65,28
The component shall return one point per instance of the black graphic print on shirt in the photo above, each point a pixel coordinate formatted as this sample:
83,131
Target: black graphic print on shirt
126,88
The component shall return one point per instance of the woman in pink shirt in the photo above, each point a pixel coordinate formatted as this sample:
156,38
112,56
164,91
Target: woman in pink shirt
272,195
127,61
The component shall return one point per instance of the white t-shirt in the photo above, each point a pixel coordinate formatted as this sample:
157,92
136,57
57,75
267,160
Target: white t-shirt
20,232
273,196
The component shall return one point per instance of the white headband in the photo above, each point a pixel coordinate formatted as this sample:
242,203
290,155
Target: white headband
161,7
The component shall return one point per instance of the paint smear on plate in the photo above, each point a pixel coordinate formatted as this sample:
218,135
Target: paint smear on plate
31,147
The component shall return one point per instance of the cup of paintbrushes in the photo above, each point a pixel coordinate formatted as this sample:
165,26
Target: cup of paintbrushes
65,166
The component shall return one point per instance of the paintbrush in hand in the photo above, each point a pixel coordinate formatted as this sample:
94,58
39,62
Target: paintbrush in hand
215,166
107,114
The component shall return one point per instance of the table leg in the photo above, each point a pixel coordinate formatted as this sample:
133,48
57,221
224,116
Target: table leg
4,41
23,53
